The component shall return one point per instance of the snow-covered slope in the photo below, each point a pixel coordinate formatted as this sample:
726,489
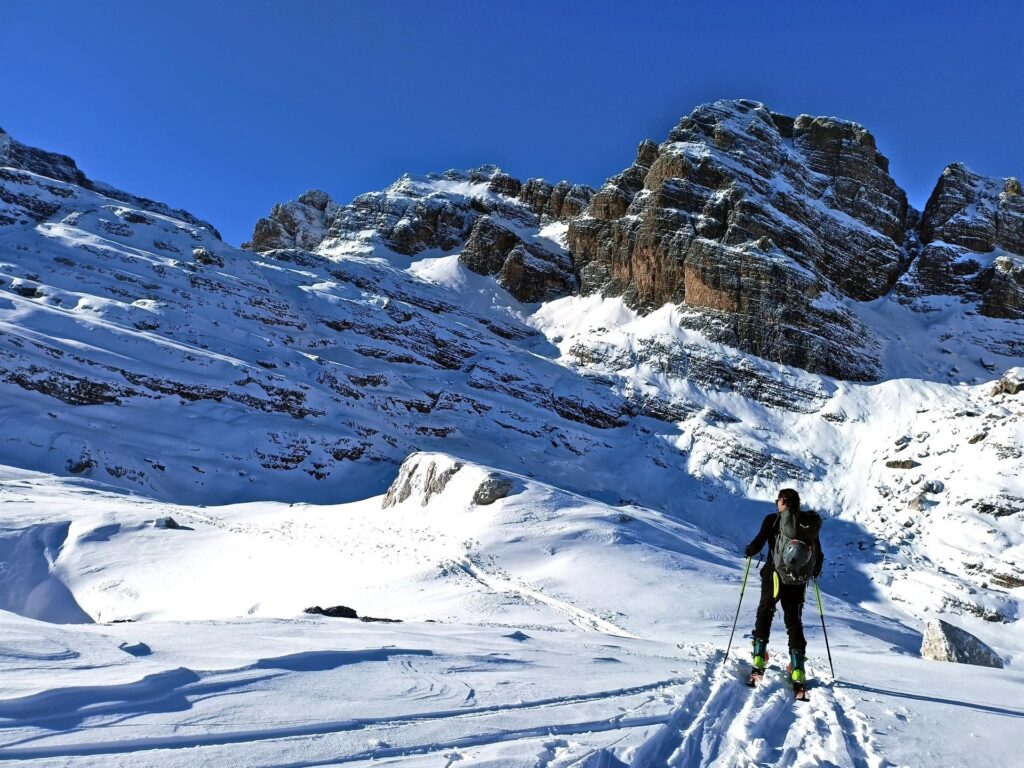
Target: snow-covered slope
538,626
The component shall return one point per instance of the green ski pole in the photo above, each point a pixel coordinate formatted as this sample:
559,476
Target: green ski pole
743,588
821,613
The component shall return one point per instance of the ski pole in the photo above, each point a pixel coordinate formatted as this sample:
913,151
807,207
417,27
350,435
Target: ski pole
821,613
743,588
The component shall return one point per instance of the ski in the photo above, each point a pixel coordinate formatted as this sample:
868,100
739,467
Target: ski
756,676
799,688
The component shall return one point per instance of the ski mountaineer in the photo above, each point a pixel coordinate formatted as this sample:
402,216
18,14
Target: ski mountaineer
794,557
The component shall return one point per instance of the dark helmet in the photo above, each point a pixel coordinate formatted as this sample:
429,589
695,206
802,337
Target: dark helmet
797,557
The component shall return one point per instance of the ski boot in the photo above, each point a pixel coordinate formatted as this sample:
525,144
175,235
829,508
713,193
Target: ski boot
796,674
759,652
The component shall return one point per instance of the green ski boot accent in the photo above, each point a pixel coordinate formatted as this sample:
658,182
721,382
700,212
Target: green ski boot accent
759,650
796,666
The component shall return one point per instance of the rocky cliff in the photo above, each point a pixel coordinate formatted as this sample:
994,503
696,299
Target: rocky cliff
972,243
483,211
770,231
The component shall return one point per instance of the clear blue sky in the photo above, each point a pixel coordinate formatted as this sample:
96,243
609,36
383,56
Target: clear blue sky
225,108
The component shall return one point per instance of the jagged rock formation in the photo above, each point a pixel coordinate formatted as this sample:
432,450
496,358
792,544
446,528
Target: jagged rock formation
944,642
20,192
972,235
766,228
484,210
760,224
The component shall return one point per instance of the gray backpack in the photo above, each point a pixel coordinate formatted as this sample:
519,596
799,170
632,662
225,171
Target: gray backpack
795,551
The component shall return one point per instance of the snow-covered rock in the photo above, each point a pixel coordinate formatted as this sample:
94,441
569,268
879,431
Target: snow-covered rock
944,642
1010,383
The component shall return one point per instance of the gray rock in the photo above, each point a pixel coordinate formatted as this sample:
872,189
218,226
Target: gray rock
967,217
1011,382
944,642
421,475
166,522
492,489
902,464
207,257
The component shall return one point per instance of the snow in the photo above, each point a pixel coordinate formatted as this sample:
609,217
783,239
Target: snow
560,630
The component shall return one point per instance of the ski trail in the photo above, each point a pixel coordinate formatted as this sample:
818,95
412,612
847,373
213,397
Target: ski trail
769,710
655,751
701,741
473,719
720,723
856,730
579,617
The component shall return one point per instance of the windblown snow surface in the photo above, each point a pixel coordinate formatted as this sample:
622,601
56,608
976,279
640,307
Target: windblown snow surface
580,619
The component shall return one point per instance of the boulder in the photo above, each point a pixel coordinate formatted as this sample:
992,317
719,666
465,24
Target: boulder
492,489
166,522
944,642
1010,383
335,611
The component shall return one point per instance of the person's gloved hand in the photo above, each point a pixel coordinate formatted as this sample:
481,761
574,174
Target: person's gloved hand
817,572
749,552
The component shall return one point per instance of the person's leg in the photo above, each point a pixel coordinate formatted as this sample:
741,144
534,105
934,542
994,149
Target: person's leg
792,611
763,622
792,596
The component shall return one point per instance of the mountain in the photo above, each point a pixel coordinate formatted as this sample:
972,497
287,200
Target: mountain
752,304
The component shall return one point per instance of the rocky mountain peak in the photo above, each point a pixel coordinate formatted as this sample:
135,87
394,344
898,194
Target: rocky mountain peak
972,243
749,217
35,200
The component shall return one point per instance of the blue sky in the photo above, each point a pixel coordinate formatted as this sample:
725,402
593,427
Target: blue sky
226,108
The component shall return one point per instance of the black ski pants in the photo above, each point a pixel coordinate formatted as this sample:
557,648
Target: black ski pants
792,598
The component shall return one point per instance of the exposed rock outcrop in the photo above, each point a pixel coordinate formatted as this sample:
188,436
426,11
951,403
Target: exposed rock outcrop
24,204
494,487
555,202
761,224
529,271
972,235
1010,383
944,642
423,476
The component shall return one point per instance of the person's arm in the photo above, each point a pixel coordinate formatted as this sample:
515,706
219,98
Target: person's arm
820,560
761,539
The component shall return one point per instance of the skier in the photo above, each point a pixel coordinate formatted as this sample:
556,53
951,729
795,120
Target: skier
794,557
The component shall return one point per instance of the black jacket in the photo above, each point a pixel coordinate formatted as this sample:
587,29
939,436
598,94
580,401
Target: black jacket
769,531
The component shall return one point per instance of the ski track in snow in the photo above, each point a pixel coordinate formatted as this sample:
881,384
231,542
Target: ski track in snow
579,617
180,688
721,723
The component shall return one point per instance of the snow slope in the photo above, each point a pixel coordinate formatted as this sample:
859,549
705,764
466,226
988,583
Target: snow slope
544,628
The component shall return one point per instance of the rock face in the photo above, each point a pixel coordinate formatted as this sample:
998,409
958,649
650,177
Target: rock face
1010,383
484,211
530,272
421,476
944,642
761,224
972,235
18,203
